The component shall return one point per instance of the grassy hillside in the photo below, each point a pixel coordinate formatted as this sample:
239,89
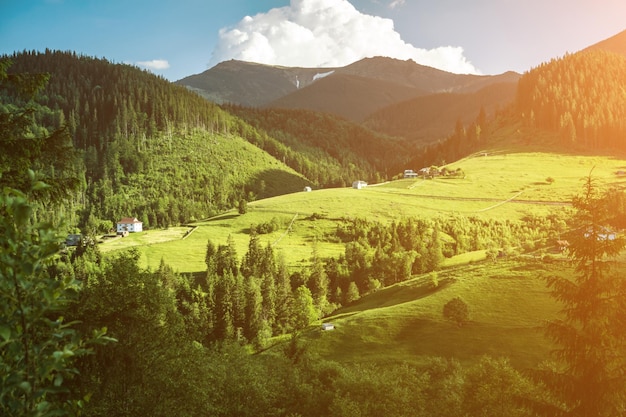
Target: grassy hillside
508,304
500,183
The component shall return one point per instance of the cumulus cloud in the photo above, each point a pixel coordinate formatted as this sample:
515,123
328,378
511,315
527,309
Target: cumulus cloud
155,64
325,33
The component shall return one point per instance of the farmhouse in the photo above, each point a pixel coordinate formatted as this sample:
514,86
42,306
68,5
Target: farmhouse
328,326
357,185
129,225
409,173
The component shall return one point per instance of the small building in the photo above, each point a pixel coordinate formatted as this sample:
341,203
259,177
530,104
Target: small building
307,189
328,326
73,240
409,173
129,225
357,185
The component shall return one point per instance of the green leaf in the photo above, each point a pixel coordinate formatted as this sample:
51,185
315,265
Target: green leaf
5,332
25,386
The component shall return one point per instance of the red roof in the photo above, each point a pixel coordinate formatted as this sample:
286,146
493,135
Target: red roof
129,220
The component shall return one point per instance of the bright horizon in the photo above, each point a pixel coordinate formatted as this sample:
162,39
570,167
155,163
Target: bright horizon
176,39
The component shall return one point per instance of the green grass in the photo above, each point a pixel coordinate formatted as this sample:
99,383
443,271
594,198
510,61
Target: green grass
508,299
504,184
508,304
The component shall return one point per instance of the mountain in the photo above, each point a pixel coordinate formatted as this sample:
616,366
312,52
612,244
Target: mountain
249,83
431,117
616,44
353,91
350,96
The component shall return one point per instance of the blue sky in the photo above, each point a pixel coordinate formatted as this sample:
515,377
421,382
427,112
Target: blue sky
179,38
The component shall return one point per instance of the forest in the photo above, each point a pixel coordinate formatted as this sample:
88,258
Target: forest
581,96
85,334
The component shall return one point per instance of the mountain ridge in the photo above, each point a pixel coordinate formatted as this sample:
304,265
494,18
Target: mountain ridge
388,79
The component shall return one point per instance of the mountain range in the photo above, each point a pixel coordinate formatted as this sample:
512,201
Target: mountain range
394,97
353,91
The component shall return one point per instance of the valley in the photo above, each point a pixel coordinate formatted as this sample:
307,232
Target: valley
252,238
498,184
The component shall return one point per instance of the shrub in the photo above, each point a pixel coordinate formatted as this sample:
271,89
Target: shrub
457,311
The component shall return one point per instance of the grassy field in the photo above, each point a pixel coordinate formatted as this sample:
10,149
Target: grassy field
499,184
508,299
508,304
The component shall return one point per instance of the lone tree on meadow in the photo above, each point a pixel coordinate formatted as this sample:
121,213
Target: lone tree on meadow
457,311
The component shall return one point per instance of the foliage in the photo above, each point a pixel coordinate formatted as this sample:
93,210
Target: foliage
38,347
31,141
590,335
456,310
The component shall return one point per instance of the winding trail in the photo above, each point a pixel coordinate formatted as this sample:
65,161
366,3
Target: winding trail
286,231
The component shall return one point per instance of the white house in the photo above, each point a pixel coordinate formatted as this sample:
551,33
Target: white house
359,184
129,224
409,173
328,326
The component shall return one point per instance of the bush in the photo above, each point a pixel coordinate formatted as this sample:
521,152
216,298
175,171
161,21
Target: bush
457,311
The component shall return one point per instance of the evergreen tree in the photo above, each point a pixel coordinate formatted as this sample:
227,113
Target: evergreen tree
284,296
268,285
303,308
590,334
252,310
318,283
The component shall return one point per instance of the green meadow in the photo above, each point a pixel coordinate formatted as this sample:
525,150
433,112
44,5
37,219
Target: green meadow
498,184
508,299
508,303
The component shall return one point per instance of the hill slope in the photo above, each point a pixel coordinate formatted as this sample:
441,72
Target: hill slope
616,44
147,148
581,96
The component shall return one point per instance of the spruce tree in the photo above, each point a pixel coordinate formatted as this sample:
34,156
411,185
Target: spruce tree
590,337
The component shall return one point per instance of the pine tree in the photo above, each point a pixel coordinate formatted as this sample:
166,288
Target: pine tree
590,334
318,283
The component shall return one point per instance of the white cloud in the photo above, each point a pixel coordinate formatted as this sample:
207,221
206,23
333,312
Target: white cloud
325,33
396,3
155,64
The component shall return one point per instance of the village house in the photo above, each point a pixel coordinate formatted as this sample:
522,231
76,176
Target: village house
357,185
409,173
129,225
